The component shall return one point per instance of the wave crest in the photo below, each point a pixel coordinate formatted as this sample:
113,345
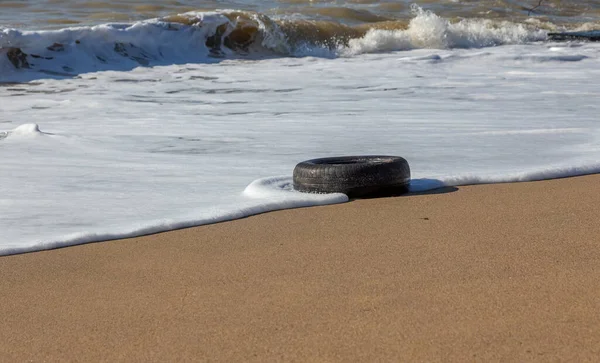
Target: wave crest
200,37
428,30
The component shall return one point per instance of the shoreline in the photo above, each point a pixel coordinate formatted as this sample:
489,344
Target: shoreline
486,272
442,189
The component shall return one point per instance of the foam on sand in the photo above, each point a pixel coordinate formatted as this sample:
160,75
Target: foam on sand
112,154
262,195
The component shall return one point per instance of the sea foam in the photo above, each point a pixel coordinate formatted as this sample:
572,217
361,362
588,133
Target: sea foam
428,30
112,154
262,195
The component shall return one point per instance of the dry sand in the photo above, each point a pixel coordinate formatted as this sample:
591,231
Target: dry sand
507,272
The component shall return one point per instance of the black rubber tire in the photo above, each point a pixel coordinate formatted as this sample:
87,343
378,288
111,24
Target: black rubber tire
355,176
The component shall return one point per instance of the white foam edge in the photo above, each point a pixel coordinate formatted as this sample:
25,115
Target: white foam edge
261,196
276,193
25,131
549,173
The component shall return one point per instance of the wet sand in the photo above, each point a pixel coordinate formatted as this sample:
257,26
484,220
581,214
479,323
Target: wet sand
506,272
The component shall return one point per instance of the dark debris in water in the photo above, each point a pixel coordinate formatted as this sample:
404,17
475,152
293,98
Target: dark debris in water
204,78
18,58
15,84
133,80
55,73
133,52
592,36
56,47
40,57
213,42
238,40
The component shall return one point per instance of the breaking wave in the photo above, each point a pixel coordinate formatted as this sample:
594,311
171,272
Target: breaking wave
200,37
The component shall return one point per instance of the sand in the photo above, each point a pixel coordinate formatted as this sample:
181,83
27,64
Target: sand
506,272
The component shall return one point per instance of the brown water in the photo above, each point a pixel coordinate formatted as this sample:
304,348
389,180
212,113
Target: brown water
53,14
284,27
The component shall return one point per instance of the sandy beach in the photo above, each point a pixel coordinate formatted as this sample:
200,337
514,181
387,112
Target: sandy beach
505,272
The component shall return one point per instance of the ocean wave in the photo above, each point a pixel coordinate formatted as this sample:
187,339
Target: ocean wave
428,30
203,37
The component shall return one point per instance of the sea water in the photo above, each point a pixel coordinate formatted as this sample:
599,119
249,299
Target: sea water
125,118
